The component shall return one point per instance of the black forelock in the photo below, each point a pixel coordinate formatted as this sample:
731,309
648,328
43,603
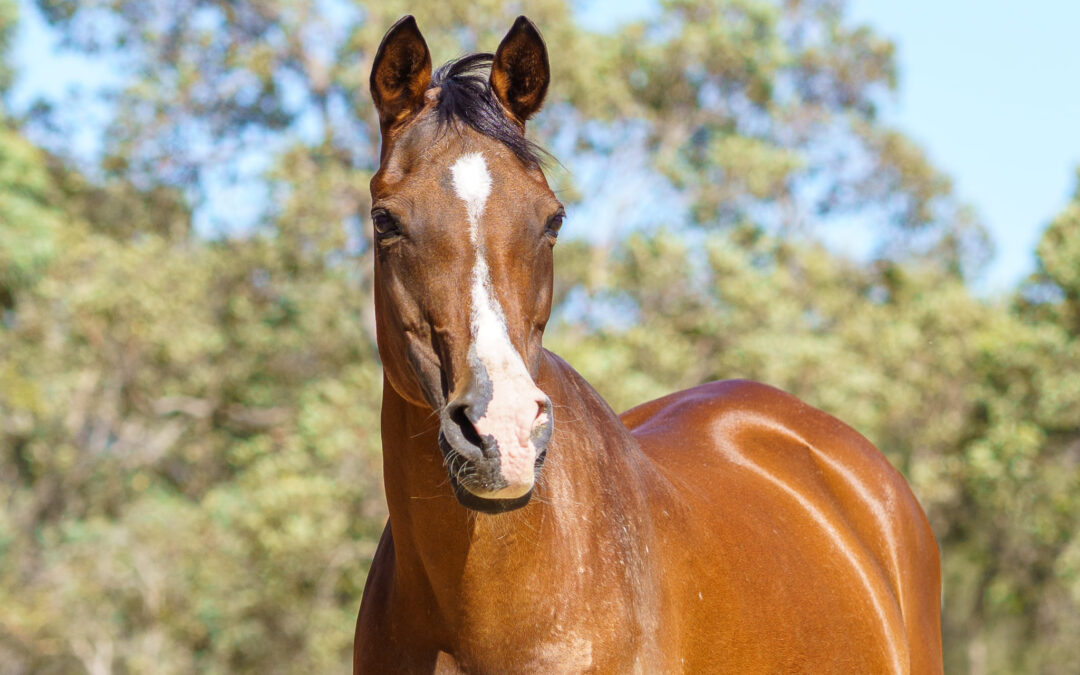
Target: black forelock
465,95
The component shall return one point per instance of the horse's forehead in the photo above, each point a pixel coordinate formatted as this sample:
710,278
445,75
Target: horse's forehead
428,153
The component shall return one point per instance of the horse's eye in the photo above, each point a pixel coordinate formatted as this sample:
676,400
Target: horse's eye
385,224
555,224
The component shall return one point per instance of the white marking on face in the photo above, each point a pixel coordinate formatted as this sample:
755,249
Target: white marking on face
511,415
472,182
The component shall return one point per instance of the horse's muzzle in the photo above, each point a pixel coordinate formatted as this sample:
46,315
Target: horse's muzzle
490,474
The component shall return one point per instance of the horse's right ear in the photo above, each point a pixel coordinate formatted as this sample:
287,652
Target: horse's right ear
401,73
520,71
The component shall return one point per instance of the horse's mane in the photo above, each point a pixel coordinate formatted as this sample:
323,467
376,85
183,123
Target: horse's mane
465,95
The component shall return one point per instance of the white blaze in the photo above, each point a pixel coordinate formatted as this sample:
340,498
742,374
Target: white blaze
511,414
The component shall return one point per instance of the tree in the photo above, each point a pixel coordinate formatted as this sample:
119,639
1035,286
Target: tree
178,417
9,12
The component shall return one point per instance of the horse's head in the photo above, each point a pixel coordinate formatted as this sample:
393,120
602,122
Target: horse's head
464,226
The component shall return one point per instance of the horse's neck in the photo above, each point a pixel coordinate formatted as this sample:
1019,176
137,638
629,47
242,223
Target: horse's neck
453,558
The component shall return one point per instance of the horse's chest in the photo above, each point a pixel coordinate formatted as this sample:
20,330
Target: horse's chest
586,620
567,652
571,640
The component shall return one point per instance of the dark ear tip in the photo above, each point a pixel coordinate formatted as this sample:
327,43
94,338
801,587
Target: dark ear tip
523,23
407,21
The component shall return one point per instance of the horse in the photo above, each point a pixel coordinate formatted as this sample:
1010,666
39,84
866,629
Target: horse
727,528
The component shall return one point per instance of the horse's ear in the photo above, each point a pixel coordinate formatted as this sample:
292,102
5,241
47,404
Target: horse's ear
401,72
520,72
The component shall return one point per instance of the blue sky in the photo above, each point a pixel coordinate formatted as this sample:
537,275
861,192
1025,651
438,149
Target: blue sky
991,89
987,87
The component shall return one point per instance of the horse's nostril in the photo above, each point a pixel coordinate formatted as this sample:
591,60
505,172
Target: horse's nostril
459,417
543,407
542,428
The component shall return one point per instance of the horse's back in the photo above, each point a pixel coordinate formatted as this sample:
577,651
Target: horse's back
795,506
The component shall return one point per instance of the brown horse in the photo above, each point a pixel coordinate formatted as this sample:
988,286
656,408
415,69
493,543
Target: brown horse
728,528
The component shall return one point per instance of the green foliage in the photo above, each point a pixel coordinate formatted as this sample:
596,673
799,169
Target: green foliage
28,239
189,448
1058,276
9,14
189,457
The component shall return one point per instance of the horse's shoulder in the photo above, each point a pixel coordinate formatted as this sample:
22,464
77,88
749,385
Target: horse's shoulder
788,477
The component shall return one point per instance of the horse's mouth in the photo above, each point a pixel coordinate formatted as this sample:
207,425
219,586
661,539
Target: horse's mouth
485,474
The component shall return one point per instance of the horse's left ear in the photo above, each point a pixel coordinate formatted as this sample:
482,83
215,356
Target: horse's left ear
520,72
401,72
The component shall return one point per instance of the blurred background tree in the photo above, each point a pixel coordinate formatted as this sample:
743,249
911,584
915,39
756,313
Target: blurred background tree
189,389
